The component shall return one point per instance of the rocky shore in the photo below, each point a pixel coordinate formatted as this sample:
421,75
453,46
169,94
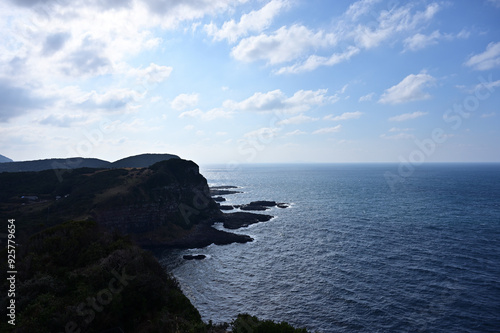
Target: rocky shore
204,234
164,205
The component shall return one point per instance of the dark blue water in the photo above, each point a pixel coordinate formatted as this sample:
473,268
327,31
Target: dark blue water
353,255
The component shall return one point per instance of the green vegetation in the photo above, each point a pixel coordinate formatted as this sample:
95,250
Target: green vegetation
66,268
82,194
77,277
246,323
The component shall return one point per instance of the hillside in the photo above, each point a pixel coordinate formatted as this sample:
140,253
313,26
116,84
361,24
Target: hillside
141,161
138,161
68,271
165,205
53,163
4,159
77,276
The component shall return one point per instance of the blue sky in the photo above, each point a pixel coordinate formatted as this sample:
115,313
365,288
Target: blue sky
241,81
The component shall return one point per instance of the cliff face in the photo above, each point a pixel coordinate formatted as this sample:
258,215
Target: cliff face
160,204
155,205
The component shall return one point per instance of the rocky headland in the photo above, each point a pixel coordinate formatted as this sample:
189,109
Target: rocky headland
78,229
167,204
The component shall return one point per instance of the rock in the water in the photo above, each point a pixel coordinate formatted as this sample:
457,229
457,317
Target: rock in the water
263,203
226,207
282,205
243,219
253,207
219,199
203,235
194,257
222,192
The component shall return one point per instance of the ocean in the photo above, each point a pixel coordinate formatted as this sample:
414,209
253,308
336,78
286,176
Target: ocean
354,254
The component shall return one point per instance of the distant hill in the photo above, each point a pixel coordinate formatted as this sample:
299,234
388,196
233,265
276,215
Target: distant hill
141,161
53,163
4,159
138,161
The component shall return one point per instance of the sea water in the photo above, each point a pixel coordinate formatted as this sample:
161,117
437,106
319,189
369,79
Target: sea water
353,253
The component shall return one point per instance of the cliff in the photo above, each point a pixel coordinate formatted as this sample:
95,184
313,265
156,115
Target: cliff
88,275
165,205
76,277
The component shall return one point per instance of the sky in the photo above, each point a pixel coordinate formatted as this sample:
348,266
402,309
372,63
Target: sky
251,81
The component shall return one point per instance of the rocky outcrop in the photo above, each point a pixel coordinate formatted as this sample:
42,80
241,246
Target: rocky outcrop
243,219
223,190
262,205
194,257
168,204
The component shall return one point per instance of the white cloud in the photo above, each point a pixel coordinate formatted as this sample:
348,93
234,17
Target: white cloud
367,97
277,101
488,115
296,132
92,38
62,120
255,21
360,8
274,100
397,129
264,133
399,136
392,22
300,119
184,101
408,90
491,85
114,99
420,41
16,100
344,116
152,74
343,89
171,13
328,130
489,59
285,44
208,115
315,61
289,43
408,116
